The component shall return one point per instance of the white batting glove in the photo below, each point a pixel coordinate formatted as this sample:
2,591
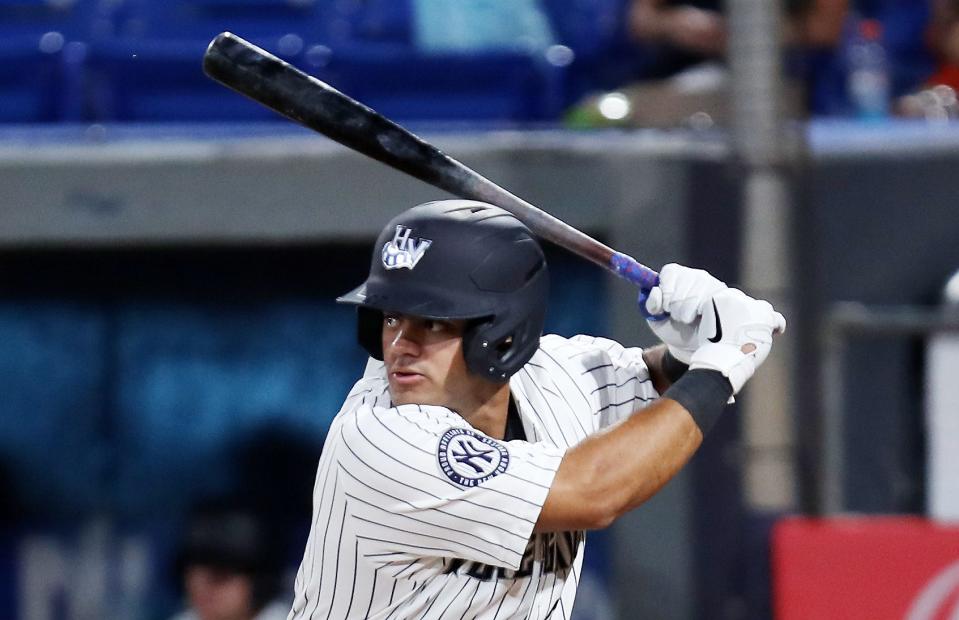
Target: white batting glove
738,334
684,294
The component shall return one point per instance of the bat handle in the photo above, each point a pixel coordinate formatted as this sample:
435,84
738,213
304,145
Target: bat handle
630,269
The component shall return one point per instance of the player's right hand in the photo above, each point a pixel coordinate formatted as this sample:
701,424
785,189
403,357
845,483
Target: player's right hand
737,333
684,295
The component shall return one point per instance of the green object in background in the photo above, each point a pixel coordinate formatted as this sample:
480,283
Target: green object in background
480,25
583,116
587,115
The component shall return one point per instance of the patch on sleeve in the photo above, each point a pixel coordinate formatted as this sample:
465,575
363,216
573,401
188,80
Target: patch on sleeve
469,458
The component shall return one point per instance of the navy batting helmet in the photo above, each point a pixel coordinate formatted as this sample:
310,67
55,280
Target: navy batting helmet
459,259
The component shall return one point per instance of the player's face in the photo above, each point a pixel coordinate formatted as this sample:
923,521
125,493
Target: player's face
216,594
425,364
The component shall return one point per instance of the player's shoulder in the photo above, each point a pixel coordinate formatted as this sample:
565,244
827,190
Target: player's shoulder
578,342
384,425
429,417
366,392
585,352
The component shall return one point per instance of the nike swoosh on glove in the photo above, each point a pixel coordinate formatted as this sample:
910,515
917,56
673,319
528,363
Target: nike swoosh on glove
739,336
684,294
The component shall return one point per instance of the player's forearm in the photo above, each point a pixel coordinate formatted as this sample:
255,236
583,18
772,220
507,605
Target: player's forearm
612,472
651,446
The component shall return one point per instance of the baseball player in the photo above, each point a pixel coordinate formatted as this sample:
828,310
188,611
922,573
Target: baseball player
465,466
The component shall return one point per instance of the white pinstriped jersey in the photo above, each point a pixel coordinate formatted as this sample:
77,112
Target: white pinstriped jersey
416,515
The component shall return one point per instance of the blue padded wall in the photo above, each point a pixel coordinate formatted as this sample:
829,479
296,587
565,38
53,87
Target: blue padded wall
52,404
128,382
193,378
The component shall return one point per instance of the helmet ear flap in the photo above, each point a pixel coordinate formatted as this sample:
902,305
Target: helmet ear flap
497,349
369,331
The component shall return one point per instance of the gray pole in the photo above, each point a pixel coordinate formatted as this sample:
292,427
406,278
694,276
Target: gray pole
759,137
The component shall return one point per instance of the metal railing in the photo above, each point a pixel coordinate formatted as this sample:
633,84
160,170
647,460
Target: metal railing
843,321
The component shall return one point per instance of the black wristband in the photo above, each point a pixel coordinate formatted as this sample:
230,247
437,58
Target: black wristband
672,367
704,394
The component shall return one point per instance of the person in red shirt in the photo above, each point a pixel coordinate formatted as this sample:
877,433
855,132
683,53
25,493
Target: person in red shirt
943,38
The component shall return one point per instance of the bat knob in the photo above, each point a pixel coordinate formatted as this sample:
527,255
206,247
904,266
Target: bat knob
643,297
628,268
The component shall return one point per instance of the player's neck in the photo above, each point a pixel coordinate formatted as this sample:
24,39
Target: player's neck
489,415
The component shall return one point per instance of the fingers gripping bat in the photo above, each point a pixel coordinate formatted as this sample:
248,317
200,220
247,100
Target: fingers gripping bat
263,77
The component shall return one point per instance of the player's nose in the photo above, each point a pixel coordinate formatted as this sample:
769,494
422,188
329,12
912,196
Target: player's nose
405,339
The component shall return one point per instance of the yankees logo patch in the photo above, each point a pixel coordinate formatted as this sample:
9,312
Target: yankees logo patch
468,458
404,251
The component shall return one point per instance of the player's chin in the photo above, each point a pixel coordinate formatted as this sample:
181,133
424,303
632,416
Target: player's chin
414,395
409,397
404,394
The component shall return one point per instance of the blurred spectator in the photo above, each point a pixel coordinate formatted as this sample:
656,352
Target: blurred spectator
936,99
943,39
681,76
905,24
677,35
680,34
229,568
271,452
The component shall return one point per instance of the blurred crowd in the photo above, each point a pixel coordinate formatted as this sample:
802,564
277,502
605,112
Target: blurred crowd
473,60
849,58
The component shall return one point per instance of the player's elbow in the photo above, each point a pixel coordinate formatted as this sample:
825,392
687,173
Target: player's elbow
579,502
602,505
581,513
602,516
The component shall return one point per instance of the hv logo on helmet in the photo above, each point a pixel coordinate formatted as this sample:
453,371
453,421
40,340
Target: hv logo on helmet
469,458
404,251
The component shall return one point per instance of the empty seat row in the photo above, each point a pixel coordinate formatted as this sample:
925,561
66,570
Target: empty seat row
159,80
150,81
139,60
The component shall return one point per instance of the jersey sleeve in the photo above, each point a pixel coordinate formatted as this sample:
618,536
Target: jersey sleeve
619,377
420,482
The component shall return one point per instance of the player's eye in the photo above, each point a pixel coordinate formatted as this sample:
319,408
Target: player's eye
435,326
391,320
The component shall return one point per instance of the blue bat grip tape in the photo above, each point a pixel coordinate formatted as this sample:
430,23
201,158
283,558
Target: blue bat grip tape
627,267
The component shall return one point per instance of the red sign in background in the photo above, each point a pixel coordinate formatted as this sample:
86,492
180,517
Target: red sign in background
875,568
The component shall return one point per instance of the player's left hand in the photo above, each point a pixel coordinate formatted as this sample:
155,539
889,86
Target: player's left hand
683,293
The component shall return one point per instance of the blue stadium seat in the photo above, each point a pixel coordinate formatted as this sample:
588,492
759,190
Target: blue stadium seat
368,21
33,81
149,69
140,61
158,80
596,32
189,20
587,26
41,57
407,85
21,18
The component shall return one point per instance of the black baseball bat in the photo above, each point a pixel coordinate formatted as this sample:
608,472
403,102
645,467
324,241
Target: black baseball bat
263,77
